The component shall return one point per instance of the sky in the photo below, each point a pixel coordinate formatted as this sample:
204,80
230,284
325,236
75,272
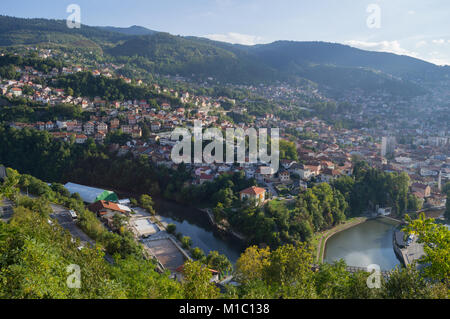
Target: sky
418,28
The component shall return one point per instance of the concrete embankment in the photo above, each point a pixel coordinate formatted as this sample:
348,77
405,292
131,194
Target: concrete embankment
408,253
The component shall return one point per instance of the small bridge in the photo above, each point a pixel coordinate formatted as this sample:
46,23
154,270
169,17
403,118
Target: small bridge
354,269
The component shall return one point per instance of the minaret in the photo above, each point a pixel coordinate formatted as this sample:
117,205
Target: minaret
440,181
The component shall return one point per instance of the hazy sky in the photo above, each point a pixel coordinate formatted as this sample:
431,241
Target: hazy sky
419,28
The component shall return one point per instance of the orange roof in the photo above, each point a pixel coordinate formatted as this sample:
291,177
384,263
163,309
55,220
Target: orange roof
102,204
253,190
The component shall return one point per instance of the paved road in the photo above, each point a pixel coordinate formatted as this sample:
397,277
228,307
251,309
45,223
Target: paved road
272,189
413,252
62,215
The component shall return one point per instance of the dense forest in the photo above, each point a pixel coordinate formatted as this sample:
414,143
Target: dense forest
8,62
87,85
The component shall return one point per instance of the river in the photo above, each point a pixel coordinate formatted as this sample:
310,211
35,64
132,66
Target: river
364,244
195,224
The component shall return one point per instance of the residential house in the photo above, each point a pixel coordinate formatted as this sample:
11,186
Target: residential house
155,126
81,138
205,178
136,132
49,125
285,177
16,91
89,128
102,127
423,189
330,174
253,193
127,129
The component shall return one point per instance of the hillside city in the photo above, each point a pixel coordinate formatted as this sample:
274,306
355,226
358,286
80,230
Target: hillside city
87,178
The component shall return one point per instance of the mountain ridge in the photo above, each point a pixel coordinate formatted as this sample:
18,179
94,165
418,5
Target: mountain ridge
333,66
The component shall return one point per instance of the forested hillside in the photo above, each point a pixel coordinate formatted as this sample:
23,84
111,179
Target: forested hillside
334,67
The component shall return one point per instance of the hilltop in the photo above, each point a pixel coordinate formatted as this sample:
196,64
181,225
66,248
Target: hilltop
335,68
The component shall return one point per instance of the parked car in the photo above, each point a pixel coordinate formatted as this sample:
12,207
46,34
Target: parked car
73,214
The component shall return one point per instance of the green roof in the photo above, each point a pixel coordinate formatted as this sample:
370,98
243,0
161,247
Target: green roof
108,196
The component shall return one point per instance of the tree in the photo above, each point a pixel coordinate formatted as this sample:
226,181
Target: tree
9,187
406,283
414,203
251,264
59,188
219,262
436,241
289,271
197,282
332,279
119,221
225,197
446,188
197,253
147,203
145,132
69,91
141,281
288,150
186,241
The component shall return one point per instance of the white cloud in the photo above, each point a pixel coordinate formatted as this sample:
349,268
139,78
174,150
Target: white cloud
236,38
439,61
411,12
435,57
439,41
438,58
421,43
382,46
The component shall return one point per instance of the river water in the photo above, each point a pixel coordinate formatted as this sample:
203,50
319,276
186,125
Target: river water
195,224
365,244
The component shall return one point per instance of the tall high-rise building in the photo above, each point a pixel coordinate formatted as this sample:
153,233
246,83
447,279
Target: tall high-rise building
388,144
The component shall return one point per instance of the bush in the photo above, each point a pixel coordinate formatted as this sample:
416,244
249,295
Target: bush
147,203
171,228
186,241
197,253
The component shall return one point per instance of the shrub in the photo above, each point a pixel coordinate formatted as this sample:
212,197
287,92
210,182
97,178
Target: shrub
171,228
197,253
186,241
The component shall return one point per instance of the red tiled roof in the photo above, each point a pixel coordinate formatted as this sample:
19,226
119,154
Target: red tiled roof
102,204
253,190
